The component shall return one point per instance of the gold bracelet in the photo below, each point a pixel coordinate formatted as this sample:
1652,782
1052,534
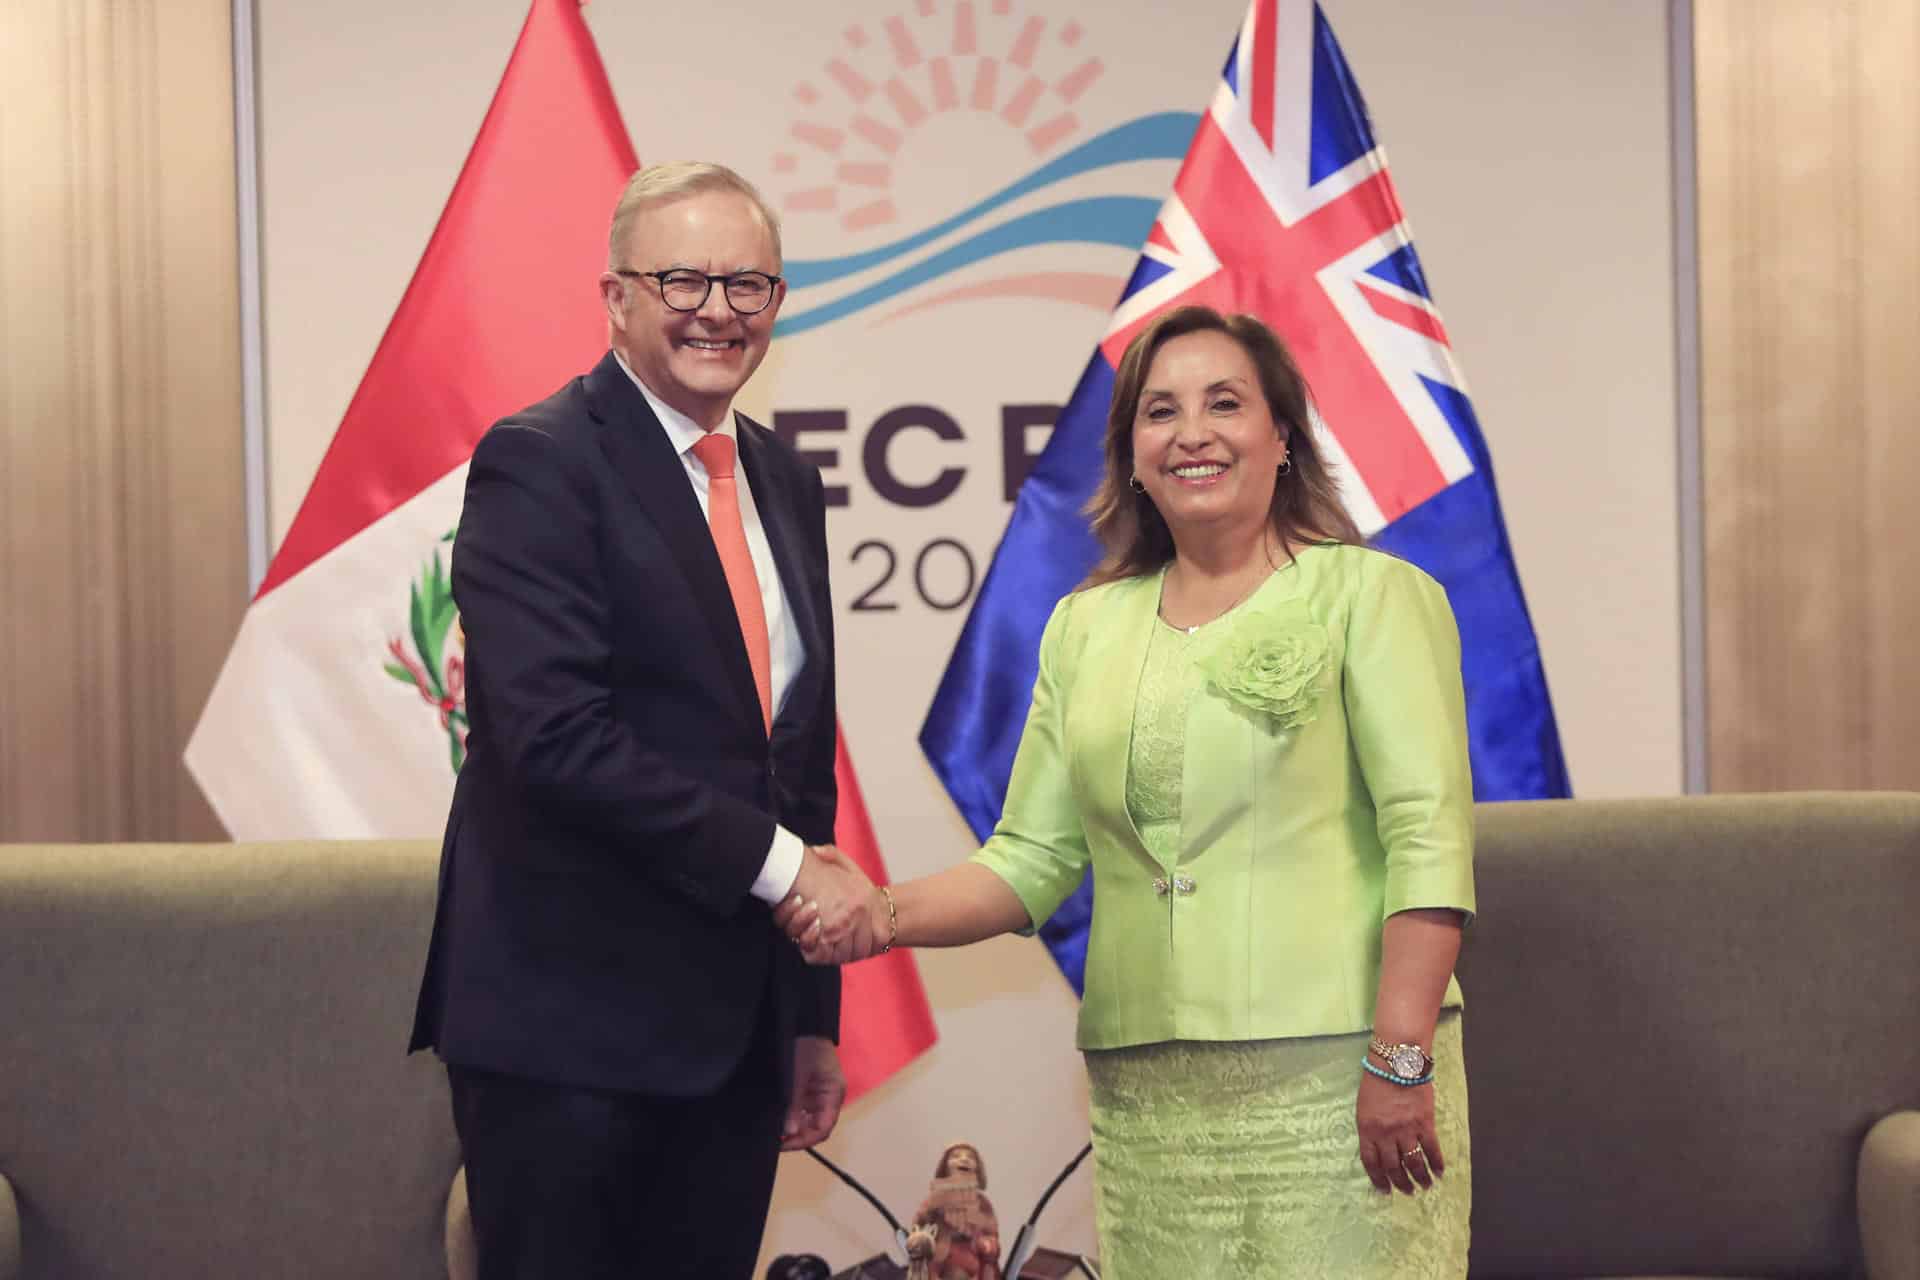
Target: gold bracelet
893,921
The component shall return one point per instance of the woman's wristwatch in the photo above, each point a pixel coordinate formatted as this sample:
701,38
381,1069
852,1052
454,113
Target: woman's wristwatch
1409,1061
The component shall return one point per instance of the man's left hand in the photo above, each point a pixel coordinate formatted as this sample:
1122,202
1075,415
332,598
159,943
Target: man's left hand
819,1087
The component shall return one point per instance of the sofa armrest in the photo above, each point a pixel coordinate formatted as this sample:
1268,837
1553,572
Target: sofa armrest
11,1267
1889,1191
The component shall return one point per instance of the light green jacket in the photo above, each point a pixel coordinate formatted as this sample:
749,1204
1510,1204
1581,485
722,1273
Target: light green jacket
1326,787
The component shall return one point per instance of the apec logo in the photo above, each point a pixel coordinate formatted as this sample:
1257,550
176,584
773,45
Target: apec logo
891,144
943,570
919,111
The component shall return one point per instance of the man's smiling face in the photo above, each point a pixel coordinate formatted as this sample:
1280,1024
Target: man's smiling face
697,360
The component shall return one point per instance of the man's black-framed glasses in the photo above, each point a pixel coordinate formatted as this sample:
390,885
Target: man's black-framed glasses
683,289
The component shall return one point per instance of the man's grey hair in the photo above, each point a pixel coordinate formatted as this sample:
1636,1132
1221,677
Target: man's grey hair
663,183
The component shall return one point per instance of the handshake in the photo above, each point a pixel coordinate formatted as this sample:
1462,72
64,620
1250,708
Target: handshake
834,914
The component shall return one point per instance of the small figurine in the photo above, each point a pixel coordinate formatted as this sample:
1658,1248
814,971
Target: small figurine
966,1234
921,1240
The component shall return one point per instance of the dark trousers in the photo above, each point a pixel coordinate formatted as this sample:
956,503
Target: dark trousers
581,1184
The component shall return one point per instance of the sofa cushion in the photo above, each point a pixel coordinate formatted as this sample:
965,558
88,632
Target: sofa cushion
204,1060
1682,1017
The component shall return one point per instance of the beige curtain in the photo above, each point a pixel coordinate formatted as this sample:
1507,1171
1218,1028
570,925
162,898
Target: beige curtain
1809,182
122,543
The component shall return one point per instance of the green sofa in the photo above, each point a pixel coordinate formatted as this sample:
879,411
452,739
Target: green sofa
202,1066
1693,1039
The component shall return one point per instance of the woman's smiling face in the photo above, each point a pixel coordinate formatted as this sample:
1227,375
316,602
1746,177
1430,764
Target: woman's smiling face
1205,444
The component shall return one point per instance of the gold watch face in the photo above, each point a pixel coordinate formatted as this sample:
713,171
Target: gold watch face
1408,1060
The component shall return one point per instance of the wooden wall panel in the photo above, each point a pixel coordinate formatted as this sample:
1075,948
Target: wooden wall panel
1808,145
122,523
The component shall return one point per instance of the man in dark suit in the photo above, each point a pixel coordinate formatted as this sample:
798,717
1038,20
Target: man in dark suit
642,578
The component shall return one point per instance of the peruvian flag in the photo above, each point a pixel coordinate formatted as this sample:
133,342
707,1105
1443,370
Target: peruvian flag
340,712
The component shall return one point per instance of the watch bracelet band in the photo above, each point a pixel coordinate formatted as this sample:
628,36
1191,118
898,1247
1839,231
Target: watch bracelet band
1386,1051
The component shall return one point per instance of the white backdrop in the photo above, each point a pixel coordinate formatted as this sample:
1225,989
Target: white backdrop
1531,146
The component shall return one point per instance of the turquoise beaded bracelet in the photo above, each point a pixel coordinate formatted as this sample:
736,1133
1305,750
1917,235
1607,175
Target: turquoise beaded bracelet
1408,1081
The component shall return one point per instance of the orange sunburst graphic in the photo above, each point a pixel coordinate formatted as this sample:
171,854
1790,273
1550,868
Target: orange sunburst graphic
985,59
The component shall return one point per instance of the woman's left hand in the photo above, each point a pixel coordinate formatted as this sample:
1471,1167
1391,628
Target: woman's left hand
1398,1147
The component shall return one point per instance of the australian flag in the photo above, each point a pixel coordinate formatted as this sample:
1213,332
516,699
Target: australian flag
1283,208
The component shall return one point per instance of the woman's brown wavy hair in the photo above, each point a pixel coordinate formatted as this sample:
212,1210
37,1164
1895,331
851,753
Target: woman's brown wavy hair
1306,505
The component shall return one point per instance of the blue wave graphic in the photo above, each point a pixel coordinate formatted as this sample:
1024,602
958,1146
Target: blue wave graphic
1123,221
1117,220
1163,136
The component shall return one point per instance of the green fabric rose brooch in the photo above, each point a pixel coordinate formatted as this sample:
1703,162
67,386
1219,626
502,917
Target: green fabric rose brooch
1273,662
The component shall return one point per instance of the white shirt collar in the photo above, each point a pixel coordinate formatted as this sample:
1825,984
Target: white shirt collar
683,431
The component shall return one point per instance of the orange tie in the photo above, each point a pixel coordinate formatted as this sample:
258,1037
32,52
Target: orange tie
715,452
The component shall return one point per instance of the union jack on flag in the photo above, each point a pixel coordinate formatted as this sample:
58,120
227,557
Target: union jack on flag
1282,208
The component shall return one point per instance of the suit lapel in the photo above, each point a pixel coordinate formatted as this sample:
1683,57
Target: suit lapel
1223,743
637,447
1119,652
773,498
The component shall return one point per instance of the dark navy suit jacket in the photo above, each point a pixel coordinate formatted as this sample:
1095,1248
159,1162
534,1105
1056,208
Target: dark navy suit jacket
595,926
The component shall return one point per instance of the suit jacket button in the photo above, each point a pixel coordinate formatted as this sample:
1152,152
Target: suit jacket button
1184,885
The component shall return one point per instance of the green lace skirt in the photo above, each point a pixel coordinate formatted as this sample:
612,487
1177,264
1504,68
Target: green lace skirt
1240,1161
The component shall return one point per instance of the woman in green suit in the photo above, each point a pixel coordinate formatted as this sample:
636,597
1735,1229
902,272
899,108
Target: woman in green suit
1251,727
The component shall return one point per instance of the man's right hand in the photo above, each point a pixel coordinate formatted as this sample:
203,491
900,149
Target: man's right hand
833,890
